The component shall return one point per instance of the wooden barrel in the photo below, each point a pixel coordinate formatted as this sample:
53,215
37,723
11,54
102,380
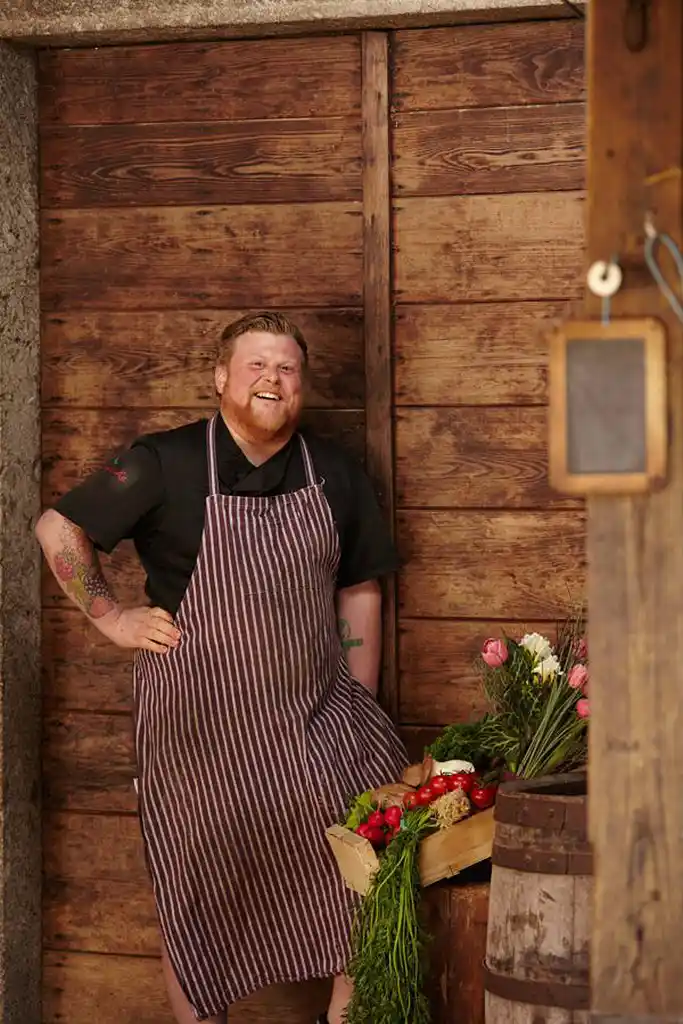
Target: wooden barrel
539,924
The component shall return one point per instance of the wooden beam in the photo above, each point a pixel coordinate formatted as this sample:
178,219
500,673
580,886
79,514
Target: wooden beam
635,545
377,303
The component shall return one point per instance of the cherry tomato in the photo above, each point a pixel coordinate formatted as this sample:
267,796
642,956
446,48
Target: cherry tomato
439,785
392,816
461,780
376,819
410,801
375,835
483,796
425,795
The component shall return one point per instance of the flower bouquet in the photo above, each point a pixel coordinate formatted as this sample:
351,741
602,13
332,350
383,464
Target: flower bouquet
538,698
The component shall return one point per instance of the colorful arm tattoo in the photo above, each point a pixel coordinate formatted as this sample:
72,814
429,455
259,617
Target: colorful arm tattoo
77,568
346,638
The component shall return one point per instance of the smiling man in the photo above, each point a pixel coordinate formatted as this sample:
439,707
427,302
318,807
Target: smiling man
255,673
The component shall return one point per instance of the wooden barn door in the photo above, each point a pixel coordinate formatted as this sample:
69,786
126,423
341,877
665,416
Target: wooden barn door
181,185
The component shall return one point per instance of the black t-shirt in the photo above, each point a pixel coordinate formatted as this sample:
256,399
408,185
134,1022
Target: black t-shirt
155,493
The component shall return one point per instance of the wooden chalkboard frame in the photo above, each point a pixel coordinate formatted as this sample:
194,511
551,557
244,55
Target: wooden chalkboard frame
651,333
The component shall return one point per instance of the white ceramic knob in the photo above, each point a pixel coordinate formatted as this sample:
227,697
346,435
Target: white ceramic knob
604,279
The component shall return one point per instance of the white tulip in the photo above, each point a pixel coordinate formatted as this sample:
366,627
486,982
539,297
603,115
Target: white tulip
537,645
547,668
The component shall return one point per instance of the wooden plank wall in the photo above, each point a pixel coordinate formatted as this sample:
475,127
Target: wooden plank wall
488,172
181,185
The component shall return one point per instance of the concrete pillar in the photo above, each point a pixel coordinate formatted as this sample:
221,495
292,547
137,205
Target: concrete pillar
20,853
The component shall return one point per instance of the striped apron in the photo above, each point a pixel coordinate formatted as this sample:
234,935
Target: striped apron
250,738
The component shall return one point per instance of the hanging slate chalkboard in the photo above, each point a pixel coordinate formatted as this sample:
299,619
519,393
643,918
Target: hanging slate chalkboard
608,409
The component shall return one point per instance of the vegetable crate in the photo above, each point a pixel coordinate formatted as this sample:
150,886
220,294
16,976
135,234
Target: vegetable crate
442,855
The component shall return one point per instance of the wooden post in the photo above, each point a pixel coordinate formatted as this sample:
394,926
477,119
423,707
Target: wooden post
635,545
377,305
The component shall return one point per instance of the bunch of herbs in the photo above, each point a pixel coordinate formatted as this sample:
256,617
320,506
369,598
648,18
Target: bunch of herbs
388,941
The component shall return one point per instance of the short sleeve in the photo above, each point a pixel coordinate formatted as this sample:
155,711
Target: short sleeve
110,503
367,550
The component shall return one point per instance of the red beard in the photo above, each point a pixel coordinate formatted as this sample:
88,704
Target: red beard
256,428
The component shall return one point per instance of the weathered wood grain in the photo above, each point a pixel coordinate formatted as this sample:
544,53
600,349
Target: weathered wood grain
439,679
489,65
474,354
83,671
88,762
489,150
102,847
224,81
487,248
100,915
121,359
312,159
377,302
80,988
466,564
76,442
476,457
198,256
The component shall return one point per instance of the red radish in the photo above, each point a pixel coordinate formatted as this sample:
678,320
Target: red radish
425,795
461,780
439,785
376,819
362,830
483,796
392,816
391,834
375,835
410,801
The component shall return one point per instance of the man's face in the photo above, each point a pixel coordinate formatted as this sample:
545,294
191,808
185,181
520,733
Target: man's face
262,388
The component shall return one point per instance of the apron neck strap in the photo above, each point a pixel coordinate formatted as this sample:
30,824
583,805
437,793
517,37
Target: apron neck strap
211,452
308,462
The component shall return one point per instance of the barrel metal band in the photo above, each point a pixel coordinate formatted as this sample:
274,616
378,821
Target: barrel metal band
537,993
543,862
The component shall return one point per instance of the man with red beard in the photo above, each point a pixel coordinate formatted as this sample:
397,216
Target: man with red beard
254,720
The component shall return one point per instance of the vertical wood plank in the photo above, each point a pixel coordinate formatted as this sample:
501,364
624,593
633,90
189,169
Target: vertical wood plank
635,556
377,304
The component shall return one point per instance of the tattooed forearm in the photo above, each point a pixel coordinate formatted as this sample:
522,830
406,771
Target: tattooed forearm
77,567
346,638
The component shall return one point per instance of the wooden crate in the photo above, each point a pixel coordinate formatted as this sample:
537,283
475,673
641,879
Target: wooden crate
442,855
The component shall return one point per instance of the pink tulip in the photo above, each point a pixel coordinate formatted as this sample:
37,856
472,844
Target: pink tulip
494,653
578,677
583,708
581,649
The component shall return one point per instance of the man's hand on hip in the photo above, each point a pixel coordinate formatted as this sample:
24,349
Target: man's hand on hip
149,629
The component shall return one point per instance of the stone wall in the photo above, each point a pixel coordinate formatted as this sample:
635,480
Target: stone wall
92,21
20,857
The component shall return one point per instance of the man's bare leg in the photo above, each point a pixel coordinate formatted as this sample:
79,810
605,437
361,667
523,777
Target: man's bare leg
179,1004
342,990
